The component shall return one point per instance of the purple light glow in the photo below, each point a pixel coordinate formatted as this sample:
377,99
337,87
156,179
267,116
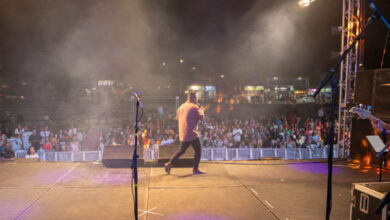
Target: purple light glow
315,168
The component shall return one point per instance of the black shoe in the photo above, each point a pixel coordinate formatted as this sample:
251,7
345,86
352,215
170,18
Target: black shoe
167,168
196,172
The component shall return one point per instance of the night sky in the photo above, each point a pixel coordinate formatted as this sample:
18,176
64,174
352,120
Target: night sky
45,40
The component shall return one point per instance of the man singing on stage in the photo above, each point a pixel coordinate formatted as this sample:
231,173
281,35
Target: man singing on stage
188,116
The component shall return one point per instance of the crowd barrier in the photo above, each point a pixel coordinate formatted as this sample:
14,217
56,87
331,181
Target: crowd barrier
208,154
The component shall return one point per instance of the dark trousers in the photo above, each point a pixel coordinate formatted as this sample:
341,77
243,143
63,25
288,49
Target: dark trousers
183,147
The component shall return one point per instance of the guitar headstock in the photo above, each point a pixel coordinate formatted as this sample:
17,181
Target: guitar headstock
361,110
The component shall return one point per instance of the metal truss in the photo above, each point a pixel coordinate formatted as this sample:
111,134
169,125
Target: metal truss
351,27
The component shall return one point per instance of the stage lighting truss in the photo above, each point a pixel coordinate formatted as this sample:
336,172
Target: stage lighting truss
351,27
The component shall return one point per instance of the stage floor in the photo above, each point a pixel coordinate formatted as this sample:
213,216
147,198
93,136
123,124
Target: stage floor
229,190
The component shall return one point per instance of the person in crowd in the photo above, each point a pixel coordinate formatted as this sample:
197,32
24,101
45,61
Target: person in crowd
242,145
301,141
47,144
31,153
218,142
45,133
165,141
35,140
80,136
291,142
63,141
19,134
315,139
145,139
116,138
3,141
26,136
18,130
8,153
54,142
237,132
72,131
16,143
74,144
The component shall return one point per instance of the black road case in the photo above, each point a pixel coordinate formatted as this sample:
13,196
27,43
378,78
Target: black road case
365,198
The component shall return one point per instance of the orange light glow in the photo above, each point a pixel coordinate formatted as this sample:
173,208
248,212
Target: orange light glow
364,143
368,167
231,101
364,171
356,161
367,159
218,110
388,164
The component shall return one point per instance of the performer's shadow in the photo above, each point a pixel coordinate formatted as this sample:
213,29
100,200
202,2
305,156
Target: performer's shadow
182,176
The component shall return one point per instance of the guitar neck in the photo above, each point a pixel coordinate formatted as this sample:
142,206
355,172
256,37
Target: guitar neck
376,120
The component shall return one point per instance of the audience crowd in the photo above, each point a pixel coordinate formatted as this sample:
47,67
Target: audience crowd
266,131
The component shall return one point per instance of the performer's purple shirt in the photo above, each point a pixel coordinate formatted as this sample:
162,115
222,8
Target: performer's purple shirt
188,115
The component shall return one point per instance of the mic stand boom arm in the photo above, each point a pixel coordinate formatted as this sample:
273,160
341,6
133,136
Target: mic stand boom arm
330,77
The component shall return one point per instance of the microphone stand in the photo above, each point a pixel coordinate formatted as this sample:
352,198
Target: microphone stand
134,164
334,83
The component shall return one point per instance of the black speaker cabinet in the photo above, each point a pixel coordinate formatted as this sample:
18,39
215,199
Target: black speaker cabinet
360,147
166,152
373,88
121,156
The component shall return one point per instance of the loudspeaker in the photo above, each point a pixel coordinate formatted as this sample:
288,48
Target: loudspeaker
361,150
359,146
166,152
121,156
373,88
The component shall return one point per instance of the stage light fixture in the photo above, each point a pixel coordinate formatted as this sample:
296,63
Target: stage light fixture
305,3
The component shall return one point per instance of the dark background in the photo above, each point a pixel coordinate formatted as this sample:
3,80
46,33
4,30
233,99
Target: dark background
68,41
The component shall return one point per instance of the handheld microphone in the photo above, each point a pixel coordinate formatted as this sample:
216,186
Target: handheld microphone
138,97
379,14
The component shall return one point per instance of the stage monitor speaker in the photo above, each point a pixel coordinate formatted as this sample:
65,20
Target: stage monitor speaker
121,156
373,88
359,147
361,150
166,152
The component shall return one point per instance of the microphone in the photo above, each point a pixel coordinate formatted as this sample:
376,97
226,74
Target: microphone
379,14
138,97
